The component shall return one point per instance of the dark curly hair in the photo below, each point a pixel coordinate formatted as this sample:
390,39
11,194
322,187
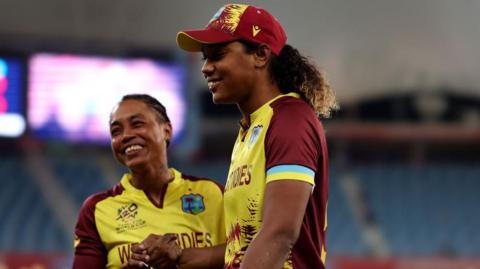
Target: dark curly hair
293,72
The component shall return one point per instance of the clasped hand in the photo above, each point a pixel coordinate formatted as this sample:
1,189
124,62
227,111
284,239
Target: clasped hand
156,251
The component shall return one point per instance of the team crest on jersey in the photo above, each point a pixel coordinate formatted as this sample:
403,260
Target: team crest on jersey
127,218
193,203
255,134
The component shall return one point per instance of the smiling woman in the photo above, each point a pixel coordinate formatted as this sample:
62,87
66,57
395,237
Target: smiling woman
277,186
140,133
152,203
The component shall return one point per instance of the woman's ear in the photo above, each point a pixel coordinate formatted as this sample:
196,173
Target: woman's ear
168,132
262,55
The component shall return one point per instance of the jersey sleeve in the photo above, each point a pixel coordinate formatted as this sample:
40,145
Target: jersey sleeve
89,249
292,143
222,234
219,224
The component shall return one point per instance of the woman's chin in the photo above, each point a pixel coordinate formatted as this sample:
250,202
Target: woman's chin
218,98
136,163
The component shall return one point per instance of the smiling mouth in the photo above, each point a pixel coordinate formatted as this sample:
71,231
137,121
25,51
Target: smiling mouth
212,84
133,149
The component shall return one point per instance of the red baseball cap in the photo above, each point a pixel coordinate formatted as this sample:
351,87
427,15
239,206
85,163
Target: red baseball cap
234,22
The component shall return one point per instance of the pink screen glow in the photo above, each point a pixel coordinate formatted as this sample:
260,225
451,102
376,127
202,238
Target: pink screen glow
71,97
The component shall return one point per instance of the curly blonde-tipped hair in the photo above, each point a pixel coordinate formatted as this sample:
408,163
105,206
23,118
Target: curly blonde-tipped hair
317,92
294,72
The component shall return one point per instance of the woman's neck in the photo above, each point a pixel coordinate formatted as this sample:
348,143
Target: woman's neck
153,181
260,95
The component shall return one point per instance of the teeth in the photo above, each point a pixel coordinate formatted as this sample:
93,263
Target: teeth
212,84
132,148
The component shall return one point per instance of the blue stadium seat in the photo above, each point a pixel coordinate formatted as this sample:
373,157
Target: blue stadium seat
25,215
343,236
428,210
80,176
421,210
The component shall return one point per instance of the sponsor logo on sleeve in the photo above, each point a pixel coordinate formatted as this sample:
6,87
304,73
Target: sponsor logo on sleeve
76,241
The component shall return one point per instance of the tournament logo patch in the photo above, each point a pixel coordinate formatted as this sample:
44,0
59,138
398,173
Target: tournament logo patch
193,203
255,134
127,218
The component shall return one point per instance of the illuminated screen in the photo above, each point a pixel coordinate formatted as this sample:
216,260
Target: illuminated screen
12,122
71,96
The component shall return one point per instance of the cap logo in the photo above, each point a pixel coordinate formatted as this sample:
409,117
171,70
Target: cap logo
236,22
228,17
255,30
217,15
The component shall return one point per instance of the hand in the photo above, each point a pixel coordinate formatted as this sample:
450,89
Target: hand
138,257
163,250
156,251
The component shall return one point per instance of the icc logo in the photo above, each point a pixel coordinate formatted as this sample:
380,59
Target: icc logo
193,204
127,212
127,216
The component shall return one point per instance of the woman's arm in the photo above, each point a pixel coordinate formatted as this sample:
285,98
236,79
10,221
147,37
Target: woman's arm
202,258
158,251
283,211
89,250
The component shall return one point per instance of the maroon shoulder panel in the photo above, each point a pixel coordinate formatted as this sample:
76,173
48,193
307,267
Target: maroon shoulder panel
90,252
293,134
194,178
296,136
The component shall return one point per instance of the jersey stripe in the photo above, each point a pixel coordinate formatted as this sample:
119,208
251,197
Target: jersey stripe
290,168
292,172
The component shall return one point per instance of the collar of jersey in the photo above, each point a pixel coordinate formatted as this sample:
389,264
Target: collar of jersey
265,106
127,185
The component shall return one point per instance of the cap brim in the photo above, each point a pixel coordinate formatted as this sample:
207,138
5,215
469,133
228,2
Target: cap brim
193,40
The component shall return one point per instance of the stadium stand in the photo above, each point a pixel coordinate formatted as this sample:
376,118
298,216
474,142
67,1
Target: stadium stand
344,236
79,175
421,211
27,223
427,210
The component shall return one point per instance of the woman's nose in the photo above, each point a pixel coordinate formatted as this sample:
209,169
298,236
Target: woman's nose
127,135
207,68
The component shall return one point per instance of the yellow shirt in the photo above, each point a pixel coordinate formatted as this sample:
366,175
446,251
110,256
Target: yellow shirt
284,140
110,222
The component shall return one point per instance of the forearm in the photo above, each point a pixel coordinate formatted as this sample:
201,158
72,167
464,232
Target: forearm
268,250
202,258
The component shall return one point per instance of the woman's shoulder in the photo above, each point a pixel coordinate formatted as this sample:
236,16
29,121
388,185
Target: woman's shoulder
291,104
92,200
290,112
203,183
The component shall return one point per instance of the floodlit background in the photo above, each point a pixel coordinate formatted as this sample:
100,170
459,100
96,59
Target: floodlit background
404,147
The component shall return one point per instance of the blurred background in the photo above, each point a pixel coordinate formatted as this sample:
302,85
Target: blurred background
404,147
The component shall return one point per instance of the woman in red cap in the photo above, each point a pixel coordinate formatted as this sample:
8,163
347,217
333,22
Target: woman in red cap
277,188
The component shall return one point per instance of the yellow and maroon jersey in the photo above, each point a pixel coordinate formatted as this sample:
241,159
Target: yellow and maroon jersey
111,221
284,141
